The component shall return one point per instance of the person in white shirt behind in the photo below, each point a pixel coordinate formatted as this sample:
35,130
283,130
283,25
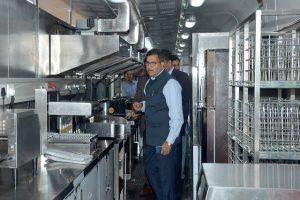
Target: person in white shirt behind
128,85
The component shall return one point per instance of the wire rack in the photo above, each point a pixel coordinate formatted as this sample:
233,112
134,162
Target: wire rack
280,58
264,56
231,118
280,126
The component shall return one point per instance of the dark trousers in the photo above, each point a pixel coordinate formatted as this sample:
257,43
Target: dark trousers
161,171
179,181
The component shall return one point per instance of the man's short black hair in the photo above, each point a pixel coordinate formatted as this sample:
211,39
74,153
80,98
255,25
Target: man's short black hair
153,52
175,57
165,55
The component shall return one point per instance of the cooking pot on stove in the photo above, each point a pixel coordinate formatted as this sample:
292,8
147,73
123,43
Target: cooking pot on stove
105,107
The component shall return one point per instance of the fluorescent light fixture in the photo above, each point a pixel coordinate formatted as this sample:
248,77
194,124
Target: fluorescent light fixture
117,1
190,21
185,36
196,3
148,43
182,44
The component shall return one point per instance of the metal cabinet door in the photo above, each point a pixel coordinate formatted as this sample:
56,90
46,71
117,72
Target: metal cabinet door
102,179
217,98
110,175
89,186
70,196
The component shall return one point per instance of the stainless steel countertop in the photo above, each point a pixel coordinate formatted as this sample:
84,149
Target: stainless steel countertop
252,181
53,181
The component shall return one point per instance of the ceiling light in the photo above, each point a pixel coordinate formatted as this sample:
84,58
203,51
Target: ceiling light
182,44
196,3
151,18
180,50
185,36
118,1
190,21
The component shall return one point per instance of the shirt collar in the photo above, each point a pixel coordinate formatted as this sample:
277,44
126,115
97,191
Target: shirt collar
171,70
153,78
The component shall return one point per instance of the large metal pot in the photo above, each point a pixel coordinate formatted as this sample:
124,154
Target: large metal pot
120,105
105,104
109,126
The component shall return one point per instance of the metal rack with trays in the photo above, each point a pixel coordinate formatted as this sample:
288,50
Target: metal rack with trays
264,55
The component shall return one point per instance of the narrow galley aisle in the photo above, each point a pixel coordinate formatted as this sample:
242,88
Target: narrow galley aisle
136,184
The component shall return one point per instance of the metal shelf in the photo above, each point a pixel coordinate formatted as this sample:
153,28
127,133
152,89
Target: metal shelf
280,84
279,155
263,155
279,128
269,84
263,58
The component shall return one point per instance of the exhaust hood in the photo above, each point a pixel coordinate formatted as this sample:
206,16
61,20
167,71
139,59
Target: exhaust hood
89,54
105,46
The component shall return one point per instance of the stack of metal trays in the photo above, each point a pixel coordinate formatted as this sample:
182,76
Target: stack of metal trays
79,142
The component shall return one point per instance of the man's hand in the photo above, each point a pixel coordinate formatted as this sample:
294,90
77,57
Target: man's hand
133,115
137,106
166,148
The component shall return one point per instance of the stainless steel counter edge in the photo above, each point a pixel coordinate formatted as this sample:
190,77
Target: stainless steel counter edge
97,157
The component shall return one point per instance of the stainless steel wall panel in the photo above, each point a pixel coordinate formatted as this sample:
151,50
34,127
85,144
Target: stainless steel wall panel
49,24
22,39
217,96
4,5
132,37
70,108
70,51
44,55
119,24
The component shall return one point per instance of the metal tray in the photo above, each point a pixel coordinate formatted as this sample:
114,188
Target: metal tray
71,138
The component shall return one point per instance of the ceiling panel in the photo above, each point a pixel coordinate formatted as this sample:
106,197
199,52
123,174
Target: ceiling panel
163,27
93,8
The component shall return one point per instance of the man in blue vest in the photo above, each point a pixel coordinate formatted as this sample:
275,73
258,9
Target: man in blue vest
163,119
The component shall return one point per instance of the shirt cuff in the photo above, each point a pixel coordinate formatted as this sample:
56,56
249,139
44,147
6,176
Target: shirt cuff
170,139
143,106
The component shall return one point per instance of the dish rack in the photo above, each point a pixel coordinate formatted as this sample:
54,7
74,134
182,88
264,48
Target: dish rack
264,85
71,138
279,129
